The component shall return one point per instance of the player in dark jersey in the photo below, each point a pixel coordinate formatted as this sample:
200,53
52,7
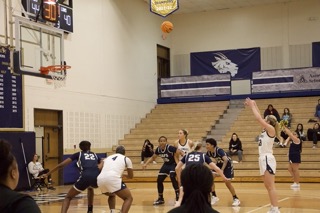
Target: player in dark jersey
169,155
224,162
195,157
294,157
87,162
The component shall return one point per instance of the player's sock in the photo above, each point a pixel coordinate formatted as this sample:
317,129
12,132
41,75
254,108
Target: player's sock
161,196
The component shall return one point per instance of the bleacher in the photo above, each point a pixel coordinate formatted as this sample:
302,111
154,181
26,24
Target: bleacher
198,118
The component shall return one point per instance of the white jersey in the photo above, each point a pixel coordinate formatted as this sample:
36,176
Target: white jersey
109,180
265,144
186,148
115,164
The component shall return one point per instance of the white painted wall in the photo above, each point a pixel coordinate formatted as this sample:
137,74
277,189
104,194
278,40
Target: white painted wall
113,80
112,51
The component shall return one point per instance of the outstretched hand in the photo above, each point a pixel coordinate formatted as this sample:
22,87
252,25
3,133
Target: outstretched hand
249,102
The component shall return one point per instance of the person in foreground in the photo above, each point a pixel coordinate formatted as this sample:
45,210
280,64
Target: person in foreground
110,181
197,181
10,200
89,171
267,161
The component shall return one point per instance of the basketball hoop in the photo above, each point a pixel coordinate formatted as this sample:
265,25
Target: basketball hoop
57,73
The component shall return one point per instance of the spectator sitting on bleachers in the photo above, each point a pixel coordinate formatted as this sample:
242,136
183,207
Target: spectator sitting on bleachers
235,147
314,134
271,111
300,132
287,116
147,151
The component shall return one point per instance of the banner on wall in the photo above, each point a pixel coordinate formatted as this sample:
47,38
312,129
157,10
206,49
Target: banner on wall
164,7
239,63
195,86
316,54
286,80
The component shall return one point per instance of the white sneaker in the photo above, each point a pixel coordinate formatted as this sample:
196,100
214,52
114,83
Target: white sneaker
234,161
214,200
154,162
274,210
295,186
236,202
142,162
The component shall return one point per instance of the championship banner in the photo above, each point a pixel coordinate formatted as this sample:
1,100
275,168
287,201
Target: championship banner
316,54
239,63
290,80
164,7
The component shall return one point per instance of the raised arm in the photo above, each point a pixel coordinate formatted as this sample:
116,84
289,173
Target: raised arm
256,112
294,138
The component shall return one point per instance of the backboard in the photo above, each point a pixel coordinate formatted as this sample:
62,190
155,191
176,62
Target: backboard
37,45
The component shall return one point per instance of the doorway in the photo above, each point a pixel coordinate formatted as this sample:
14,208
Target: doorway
49,139
163,65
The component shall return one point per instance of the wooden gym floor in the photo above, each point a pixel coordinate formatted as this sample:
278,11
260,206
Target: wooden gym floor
253,197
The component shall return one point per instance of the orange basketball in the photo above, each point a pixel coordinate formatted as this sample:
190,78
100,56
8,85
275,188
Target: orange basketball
166,26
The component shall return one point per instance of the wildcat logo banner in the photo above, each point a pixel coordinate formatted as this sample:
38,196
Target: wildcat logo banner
239,63
164,7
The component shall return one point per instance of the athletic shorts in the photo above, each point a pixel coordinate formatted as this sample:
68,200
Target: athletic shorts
267,162
87,179
110,183
228,171
166,169
294,158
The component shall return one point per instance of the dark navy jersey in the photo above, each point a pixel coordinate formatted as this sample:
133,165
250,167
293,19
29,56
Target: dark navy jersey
295,148
218,155
195,158
86,160
167,154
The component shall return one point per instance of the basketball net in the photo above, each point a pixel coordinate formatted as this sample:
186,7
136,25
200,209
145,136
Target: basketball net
57,73
59,79
164,35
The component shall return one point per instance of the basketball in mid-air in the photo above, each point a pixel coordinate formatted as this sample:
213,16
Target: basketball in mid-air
166,26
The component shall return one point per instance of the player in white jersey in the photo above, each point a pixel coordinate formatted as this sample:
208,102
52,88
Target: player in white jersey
267,161
110,179
183,143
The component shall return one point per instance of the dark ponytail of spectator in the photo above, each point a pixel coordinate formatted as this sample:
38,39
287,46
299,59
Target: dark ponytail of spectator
197,181
6,159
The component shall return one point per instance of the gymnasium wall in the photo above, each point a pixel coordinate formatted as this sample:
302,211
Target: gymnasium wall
113,80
